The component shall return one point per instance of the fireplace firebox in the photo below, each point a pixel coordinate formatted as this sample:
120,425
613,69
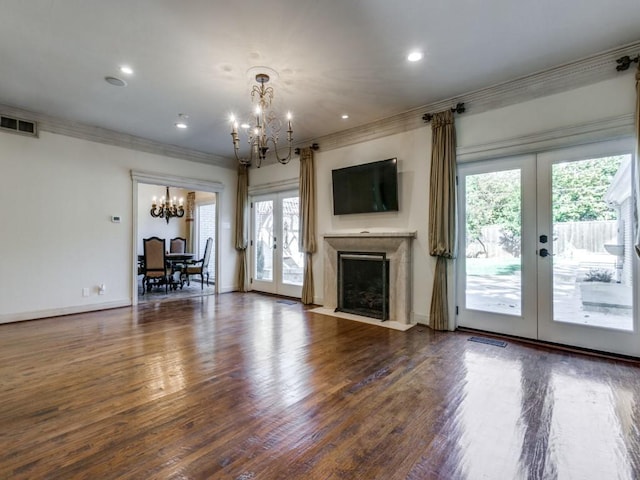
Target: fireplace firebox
363,284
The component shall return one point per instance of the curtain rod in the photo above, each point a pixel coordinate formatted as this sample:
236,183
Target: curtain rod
625,62
459,108
313,146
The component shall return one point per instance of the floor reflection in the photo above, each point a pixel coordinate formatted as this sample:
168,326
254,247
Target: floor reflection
490,420
542,420
586,439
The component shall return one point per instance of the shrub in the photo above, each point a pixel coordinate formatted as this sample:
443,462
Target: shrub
598,275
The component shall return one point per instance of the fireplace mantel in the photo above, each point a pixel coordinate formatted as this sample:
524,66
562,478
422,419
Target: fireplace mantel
370,235
397,247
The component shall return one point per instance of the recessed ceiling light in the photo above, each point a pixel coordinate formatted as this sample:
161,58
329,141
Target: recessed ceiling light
182,121
414,56
118,82
126,69
345,116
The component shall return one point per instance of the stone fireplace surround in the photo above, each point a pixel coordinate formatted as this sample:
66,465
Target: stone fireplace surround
396,245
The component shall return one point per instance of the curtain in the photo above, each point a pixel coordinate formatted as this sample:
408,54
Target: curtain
242,200
637,165
307,239
190,214
442,210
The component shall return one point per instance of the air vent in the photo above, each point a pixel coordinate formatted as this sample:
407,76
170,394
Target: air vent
18,125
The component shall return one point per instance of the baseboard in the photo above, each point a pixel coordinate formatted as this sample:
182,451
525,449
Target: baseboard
419,319
227,289
56,312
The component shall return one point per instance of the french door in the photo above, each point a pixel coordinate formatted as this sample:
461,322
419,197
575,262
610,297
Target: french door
276,262
546,247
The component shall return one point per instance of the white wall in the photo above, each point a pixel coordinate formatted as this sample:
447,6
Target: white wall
592,103
58,194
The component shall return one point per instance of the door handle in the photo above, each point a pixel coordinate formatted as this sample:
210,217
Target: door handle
545,253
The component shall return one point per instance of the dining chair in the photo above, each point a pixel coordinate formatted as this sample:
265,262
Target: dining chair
178,245
200,267
155,263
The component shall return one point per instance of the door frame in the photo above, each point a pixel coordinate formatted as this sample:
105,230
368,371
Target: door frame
628,342
279,287
273,188
153,178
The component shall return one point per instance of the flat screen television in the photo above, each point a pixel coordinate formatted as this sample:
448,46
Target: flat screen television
366,188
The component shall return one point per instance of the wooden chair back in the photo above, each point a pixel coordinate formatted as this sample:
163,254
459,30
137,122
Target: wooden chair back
154,256
178,245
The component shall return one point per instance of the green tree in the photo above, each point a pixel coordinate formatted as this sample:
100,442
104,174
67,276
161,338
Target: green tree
494,199
578,195
579,189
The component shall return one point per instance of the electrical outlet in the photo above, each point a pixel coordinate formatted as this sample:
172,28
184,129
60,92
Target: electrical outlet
102,289
85,292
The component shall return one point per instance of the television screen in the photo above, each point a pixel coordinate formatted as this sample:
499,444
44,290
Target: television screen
371,187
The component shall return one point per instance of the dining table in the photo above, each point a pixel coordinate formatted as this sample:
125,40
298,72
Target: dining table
173,261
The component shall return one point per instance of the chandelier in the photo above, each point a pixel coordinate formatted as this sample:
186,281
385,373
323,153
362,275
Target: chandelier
263,128
167,207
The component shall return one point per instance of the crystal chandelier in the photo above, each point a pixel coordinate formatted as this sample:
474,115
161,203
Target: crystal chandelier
263,128
167,207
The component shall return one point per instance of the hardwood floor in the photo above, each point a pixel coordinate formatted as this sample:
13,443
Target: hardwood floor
243,386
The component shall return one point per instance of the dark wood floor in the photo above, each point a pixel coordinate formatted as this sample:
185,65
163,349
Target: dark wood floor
244,386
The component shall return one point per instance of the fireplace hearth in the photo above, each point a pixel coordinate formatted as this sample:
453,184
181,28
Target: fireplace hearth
363,284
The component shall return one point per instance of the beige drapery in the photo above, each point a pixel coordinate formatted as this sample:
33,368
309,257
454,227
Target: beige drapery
242,200
442,208
637,169
308,216
190,214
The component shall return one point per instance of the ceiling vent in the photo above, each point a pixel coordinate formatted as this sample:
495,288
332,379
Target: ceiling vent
18,125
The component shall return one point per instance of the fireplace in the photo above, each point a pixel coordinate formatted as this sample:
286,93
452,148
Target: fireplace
395,249
363,284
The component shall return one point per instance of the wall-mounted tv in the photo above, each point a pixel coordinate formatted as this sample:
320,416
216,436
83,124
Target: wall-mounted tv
366,188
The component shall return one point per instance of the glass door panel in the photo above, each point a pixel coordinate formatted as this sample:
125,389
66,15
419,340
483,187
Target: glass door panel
591,285
493,230
263,245
496,264
292,258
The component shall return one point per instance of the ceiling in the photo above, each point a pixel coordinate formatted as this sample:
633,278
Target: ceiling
331,57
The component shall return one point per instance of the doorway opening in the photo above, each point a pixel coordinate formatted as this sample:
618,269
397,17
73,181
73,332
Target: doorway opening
199,222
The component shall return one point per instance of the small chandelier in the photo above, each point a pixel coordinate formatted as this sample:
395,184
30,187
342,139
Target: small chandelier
167,207
263,128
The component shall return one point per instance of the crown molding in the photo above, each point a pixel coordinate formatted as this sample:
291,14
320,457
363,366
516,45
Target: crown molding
579,73
79,130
